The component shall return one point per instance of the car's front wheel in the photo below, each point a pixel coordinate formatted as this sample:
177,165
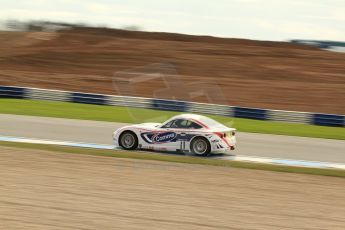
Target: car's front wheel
128,140
200,146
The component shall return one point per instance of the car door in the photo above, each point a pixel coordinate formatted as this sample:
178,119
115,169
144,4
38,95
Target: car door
169,136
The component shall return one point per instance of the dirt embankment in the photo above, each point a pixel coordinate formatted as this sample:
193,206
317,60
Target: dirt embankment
248,73
46,190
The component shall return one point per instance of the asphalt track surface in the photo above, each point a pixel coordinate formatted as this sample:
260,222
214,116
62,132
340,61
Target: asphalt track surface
249,144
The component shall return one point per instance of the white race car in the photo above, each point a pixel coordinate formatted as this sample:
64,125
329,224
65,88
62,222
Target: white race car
188,133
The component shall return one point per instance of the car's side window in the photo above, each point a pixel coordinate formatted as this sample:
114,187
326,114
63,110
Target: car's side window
168,125
194,125
175,124
178,124
182,124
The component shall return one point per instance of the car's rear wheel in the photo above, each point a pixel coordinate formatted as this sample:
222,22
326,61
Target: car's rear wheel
200,146
128,140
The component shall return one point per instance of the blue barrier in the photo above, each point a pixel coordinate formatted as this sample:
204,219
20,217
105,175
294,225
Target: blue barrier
173,105
328,119
12,92
87,98
242,112
160,104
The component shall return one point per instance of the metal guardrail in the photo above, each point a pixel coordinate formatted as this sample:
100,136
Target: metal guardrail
173,105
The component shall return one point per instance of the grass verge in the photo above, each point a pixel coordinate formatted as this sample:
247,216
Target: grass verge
136,115
177,159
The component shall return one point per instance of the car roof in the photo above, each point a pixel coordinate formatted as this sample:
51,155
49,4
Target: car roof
203,120
188,116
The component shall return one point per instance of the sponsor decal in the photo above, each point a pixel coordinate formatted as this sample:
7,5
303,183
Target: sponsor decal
164,137
156,138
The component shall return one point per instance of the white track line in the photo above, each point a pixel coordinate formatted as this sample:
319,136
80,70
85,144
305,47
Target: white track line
287,162
53,142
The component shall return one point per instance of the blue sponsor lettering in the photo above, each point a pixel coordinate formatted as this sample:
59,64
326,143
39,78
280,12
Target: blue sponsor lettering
164,137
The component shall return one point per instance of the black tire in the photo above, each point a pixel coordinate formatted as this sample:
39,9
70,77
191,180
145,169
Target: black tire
196,148
131,141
